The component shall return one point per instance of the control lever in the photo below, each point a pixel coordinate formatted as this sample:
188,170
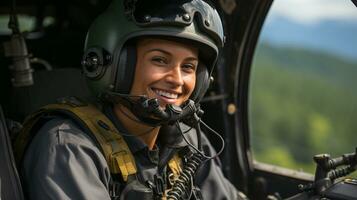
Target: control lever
329,169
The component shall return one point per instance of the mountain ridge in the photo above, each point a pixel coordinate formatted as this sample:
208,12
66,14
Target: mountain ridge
337,37
318,64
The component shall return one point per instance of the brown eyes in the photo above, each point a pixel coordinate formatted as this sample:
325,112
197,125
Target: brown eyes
159,60
162,61
189,67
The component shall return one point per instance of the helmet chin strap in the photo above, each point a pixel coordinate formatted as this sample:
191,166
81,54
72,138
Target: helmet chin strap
149,112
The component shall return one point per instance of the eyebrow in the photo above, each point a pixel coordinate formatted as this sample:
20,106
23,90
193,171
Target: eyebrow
170,54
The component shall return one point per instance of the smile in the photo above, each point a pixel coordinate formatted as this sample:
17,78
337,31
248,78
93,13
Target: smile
166,94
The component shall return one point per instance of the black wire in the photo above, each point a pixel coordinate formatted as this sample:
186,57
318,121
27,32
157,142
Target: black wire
188,130
199,135
195,148
189,143
218,135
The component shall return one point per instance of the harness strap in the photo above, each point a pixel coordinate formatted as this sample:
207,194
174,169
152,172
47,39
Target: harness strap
114,148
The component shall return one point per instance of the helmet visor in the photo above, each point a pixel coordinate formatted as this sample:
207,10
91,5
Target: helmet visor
180,14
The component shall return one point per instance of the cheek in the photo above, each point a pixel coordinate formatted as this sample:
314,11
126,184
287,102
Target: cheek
150,75
144,75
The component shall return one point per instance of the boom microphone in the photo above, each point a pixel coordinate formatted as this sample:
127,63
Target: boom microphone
149,112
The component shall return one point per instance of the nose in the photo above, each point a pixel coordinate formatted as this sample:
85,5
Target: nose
175,76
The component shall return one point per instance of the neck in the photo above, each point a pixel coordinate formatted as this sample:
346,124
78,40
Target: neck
145,133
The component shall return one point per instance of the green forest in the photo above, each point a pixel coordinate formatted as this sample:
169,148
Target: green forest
301,103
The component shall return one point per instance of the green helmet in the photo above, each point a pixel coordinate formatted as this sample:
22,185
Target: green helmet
110,52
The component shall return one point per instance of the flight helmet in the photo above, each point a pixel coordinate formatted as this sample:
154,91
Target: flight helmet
110,53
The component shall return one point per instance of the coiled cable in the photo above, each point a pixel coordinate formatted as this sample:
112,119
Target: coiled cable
183,185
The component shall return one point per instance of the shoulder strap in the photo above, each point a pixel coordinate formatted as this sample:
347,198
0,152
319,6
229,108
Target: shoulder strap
114,148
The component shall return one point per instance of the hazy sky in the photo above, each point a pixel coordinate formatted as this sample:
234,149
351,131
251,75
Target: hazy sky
311,11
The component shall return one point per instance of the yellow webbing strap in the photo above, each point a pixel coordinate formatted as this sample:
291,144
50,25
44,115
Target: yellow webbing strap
115,150
175,165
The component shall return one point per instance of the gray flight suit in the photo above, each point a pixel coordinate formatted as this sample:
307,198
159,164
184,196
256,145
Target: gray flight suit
63,162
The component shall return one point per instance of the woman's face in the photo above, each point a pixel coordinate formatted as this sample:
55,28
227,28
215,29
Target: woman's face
165,70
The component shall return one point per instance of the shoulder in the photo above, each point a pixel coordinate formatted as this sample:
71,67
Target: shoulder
63,162
61,143
62,131
61,138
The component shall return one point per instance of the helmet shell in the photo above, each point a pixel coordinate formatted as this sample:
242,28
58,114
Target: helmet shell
194,21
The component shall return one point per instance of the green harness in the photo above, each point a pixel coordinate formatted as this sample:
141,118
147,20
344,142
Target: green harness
114,148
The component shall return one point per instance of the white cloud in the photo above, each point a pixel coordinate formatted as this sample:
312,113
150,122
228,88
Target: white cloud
311,11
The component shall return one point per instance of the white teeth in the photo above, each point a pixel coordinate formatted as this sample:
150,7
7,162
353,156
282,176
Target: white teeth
166,94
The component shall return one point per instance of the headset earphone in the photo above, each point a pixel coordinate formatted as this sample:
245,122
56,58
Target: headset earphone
95,62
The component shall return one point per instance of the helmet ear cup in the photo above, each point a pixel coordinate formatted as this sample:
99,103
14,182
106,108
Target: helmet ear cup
202,83
125,69
95,61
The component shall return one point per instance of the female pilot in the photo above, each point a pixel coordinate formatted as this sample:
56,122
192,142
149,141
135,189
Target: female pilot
148,64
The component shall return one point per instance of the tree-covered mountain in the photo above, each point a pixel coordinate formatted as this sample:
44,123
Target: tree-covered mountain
301,103
324,65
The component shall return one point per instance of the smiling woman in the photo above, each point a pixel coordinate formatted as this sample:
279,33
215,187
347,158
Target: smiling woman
165,67
148,79
165,70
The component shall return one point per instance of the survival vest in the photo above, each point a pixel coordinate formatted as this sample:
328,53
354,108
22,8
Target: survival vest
114,148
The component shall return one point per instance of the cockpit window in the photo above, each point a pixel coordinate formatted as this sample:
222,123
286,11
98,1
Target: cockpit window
26,23
303,95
